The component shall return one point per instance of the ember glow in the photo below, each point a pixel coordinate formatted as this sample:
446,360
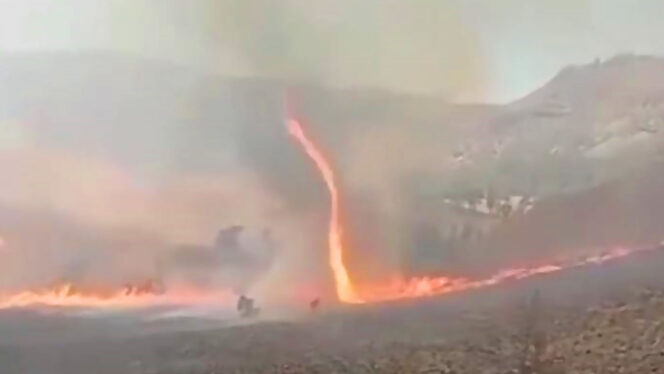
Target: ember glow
68,295
402,288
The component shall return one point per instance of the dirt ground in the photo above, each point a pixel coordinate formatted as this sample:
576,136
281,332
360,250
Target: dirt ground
606,319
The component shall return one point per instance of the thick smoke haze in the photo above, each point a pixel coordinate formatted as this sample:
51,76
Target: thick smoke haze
113,186
134,130
465,50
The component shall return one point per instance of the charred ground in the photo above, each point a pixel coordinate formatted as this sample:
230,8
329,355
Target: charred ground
603,319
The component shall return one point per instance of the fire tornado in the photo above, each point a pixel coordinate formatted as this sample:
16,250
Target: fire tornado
402,288
344,287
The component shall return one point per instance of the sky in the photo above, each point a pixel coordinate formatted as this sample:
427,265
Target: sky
474,50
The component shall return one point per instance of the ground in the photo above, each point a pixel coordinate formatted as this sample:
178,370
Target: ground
604,319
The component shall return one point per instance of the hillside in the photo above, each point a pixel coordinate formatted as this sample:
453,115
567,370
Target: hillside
428,182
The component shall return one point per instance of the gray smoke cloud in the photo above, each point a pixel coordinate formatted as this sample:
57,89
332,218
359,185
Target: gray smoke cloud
157,152
479,50
122,174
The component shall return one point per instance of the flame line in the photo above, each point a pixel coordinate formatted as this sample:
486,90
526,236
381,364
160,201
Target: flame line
67,295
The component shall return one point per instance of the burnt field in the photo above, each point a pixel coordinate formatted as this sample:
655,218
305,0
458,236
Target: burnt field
598,319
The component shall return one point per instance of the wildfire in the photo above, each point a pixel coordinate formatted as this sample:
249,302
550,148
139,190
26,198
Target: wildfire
149,294
402,288
68,295
344,286
425,286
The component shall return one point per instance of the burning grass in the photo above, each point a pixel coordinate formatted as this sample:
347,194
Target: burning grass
143,295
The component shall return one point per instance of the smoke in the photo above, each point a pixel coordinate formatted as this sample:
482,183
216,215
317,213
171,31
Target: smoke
106,189
468,50
426,47
92,198
349,43
144,156
463,50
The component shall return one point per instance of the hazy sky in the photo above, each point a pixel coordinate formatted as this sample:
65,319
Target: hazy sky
470,49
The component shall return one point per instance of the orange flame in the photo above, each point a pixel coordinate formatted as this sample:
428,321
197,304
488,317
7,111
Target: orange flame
425,286
415,287
67,295
344,287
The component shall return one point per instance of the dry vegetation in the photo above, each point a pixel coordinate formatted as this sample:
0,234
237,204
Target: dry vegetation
498,331
621,337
